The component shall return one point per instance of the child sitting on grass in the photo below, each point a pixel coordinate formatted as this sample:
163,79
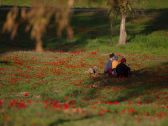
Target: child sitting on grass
108,65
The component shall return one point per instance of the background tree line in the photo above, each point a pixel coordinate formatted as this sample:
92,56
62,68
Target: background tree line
41,12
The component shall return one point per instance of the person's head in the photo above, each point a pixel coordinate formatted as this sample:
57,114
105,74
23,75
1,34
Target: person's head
115,57
123,60
111,55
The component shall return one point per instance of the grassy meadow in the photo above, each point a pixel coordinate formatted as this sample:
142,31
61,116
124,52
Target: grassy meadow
54,88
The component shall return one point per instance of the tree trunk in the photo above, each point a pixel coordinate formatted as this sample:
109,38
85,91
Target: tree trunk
39,45
111,27
123,34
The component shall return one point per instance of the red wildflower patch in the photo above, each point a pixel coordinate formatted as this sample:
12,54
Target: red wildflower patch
116,103
71,66
111,103
56,104
161,114
57,63
14,80
29,67
24,75
102,112
94,53
21,105
2,69
1,102
26,94
46,103
131,110
12,103
29,102
17,61
66,106
56,71
158,97
123,111
139,103
40,75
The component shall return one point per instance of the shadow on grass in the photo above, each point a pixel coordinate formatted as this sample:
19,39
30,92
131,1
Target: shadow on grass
87,25
22,40
5,62
157,22
140,82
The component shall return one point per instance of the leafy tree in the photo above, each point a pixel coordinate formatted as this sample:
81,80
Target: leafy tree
38,18
41,12
121,7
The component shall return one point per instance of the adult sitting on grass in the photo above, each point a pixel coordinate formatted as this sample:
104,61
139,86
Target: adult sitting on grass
122,69
108,65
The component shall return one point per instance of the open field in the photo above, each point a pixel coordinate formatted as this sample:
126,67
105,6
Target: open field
54,89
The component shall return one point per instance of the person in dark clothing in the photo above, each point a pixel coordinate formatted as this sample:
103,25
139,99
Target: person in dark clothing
122,69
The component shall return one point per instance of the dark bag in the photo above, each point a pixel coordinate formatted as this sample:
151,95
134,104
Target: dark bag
122,70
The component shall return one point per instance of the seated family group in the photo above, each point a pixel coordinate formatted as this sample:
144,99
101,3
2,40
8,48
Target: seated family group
116,68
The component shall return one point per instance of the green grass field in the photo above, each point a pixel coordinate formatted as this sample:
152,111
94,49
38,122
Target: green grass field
54,89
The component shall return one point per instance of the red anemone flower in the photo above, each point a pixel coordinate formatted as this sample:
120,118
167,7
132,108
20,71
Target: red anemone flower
94,52
66,106
12,103
21,105
139,103
26,94
116,103
1,102
131,110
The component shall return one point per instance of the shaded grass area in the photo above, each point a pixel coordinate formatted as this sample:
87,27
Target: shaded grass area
147,33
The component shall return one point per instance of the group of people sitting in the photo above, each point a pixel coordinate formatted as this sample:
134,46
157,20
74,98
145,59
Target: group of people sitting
116,68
